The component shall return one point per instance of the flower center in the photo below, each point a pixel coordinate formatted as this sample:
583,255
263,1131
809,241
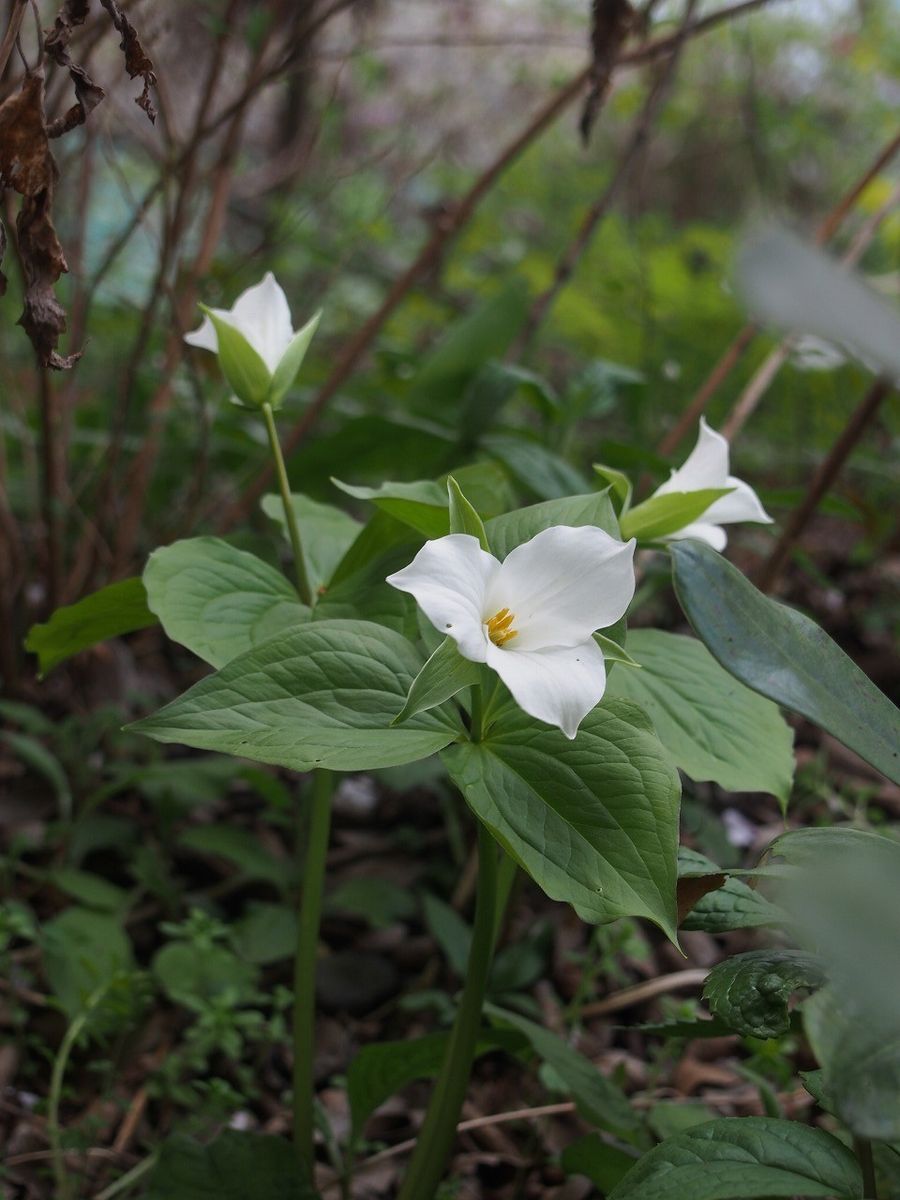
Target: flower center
499,627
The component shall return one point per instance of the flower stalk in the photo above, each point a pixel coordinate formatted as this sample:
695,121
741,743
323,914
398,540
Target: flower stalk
303,584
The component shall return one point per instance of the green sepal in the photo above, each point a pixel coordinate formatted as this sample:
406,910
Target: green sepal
663,515
463,517
292,360
614,653
247,374
445,674
620,485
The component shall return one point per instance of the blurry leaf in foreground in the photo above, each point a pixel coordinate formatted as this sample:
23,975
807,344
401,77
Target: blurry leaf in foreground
797,288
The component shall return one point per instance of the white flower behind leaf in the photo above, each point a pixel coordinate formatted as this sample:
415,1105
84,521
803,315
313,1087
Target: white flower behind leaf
530,618
258,349
707,466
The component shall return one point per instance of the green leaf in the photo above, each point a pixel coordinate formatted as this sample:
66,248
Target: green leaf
243,849
450,932
506,532
492,389
597,1098
750,992
83,951
620,484
661,515
734,905
614,653
784,655
604,1164
192,975
248,376
266,933
379,902
541,471
114,610
320,695
36,755
713,727
594,821
89,889
482,334
216,600
236,1166
443,675
421,505
463,517
326,534
743,1158
292,360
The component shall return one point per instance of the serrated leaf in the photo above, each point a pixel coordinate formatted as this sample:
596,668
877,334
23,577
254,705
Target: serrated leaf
714,727
321,695
444,675
236,1166
744,1158
782,654
594,821
750,992
114,610
326,534
219,601
661,515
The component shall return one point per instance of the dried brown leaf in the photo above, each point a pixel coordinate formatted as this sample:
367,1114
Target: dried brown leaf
137,61
87,93
72,14
611,23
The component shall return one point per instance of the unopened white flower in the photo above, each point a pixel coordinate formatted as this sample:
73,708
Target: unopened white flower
531,617
261,314
707,467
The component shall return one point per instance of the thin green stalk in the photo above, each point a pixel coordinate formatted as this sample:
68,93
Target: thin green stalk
129,1179
863,1150
305,971
435,1142
60,1174
303,585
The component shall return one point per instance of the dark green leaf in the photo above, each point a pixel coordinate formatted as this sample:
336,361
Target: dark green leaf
751,991
191,975
83,951
463,517
236,1166
443,675
541,471
114,610
326,533
506,532
605,1165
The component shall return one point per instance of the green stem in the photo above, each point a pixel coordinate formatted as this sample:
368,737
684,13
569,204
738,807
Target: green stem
63,1183
126,1181
303,585
435,1142
863,1149
305,971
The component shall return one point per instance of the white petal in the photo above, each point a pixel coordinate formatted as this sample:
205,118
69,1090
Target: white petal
715,535
449,578
706,465
559,684
262,315
742,504
562,585
204,337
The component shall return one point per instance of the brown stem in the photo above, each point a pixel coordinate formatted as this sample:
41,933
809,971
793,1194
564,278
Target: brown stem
742,341
12,32
445,230
822,481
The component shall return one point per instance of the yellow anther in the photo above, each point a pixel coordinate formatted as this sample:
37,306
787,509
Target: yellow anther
499,627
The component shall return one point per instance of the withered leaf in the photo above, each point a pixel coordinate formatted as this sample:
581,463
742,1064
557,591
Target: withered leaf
137,61
611,23
87,93
72,14
26,164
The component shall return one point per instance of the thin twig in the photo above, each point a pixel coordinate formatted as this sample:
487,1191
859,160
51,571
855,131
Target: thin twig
12,32
821,482
639,992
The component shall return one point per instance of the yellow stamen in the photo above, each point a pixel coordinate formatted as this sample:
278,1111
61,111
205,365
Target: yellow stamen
499,627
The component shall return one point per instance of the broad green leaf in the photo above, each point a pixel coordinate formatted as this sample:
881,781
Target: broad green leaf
83,951
784,655
482,334
36,756
744,1158
443,675
382,539
620,484
192,975
421,505
734,905
89,889
266,933
604,1164
661,515
218,601
594,821
320,695
379,902
713,727
597,1098
114,610
243,849
750,992
247,374
292,360
506,532
813,847
382,1068
236,1166
541,471
326,534
463,517
491,390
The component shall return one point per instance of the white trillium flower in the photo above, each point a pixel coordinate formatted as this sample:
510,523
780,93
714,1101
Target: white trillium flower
707,467
261,314
530,618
